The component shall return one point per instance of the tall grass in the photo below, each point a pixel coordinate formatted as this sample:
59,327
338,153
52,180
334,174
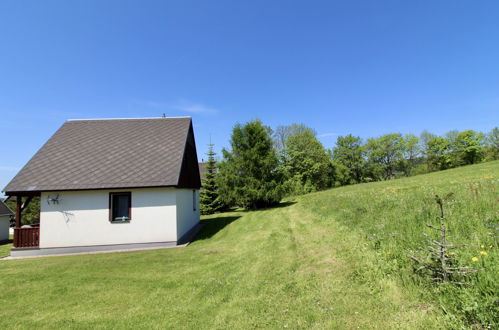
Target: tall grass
392,216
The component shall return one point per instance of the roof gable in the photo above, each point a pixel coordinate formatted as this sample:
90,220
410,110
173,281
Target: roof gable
189,172
100,154
4,209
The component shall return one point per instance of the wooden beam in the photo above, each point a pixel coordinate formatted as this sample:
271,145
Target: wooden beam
19,209
26,202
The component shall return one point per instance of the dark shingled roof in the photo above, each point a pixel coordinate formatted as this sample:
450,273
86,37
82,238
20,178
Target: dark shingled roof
113,153
4,209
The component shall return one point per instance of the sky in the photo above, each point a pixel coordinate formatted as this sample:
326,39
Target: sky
362,67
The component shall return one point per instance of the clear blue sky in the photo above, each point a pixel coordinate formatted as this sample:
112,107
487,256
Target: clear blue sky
360,67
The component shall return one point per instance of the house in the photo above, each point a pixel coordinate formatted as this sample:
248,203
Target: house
5,215
110,184
203,169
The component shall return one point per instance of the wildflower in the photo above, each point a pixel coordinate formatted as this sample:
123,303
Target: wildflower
483,253
482,246
474,259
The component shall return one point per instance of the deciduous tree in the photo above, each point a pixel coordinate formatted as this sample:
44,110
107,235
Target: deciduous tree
437,154
468,147
282,134
385,154
411,153
307,163
348,159
492,145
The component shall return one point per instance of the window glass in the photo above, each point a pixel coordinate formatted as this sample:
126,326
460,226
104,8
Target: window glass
120,206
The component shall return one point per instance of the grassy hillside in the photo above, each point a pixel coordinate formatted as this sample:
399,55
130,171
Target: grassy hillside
337,259
390,218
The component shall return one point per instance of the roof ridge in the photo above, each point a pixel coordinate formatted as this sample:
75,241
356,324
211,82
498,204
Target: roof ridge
139,118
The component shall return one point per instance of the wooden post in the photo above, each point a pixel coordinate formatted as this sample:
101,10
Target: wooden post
17,230
18,211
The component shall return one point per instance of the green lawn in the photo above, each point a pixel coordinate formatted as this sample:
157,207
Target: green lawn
5,248
333,259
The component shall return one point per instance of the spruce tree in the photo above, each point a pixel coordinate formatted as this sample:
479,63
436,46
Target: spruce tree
210,202
249,175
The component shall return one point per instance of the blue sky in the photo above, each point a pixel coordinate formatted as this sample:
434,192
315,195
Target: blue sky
361,67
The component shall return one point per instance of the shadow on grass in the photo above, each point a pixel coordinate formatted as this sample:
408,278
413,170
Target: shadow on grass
213,226
283,204
5,242
277,206
271,207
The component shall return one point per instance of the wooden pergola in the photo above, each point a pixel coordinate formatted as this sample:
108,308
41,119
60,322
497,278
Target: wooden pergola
28,237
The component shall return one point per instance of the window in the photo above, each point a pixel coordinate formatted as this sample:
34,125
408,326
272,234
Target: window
194,200
120,207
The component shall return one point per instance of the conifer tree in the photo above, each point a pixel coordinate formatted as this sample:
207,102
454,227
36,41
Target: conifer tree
249,174
210,202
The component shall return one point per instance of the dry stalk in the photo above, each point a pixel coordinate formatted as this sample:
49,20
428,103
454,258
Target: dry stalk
440,265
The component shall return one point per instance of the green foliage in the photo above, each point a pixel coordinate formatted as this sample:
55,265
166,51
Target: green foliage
249,174
307,167
385,155
209,199
454,149
466,148
411,154
492,145
307,164
283,133
437,156
348,159
31,214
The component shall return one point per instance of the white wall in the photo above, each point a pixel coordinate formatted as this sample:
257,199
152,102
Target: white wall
82,218
4,227
187,217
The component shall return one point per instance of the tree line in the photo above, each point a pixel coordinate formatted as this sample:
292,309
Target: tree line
263,165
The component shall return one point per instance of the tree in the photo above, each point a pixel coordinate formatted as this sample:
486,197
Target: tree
283,133
307,163
469,147
348,160
437,154
492,145
385,154
424,139
31,214
249,174
453,154
210,201
411,153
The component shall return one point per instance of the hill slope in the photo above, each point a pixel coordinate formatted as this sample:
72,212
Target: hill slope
336,258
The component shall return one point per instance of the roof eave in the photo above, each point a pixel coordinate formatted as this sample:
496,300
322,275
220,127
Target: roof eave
38,192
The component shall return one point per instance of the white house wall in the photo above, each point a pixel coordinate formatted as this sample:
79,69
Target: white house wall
187,215
4,227
81,218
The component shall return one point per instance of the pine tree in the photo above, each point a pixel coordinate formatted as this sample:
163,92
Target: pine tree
210,202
